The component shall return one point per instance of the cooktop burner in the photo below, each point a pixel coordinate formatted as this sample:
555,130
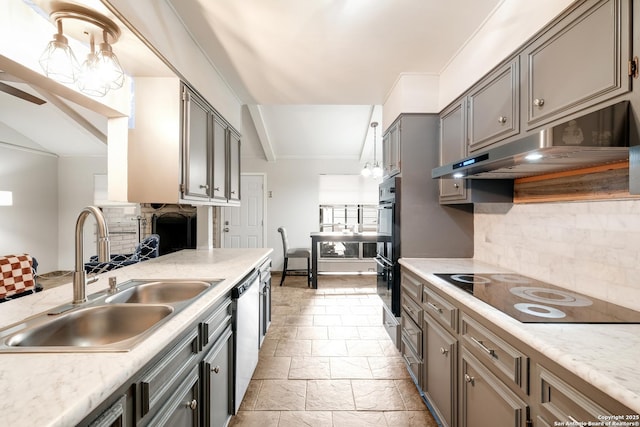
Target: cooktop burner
532,301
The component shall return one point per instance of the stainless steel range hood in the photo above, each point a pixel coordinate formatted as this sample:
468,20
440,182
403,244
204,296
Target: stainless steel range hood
594,139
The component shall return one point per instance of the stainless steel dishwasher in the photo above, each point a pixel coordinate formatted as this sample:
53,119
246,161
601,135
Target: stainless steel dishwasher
246,305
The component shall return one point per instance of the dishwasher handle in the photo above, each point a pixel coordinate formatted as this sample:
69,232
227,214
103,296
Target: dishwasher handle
245,284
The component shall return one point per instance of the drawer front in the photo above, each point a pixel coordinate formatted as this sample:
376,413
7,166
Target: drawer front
411,308
562,402
495,352
411,286
413,362
162,376
212,327
440,309
391,325
412,333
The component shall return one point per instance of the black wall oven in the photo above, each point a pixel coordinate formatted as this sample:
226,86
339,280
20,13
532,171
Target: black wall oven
388,245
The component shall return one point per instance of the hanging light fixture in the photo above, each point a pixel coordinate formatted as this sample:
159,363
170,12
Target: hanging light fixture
101,71
374,169
58,60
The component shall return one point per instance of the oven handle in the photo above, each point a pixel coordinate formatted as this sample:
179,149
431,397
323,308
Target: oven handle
383,262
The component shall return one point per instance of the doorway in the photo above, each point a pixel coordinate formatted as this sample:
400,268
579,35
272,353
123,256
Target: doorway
243,226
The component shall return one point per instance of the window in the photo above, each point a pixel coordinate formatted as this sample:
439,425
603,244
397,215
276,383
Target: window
339,218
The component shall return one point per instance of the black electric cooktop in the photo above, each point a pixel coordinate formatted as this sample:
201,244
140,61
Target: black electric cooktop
532,301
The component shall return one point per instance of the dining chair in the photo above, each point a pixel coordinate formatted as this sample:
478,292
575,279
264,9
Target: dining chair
293,253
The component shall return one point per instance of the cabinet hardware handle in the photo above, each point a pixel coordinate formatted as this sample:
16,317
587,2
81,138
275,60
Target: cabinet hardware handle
406,359
206,187
444,351
468,378
456,186
502,120
193,404
233,192
435,307
538,102
216,189
215,369
489,351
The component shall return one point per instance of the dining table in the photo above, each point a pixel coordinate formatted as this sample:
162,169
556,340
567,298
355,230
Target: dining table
334,236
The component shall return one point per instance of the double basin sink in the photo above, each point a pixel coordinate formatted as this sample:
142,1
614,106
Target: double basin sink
115,321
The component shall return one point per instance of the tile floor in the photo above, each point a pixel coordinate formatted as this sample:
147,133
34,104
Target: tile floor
327,361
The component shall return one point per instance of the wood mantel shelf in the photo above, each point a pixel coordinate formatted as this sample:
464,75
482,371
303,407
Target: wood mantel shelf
605,182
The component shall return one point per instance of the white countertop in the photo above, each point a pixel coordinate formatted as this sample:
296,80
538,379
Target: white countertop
60,389
604,355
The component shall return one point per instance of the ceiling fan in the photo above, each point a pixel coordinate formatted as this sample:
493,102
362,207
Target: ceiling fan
15,91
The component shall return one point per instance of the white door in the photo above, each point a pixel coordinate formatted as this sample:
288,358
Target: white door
243,226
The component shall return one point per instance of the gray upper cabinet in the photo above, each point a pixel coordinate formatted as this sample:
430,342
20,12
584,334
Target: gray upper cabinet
177,147
391,150
579,61
219,164
494,107
453,147
211,154
233,168
196,147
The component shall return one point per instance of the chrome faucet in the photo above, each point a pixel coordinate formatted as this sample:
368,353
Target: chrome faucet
79,276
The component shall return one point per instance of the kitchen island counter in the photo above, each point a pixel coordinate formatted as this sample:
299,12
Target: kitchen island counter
60,389
603,355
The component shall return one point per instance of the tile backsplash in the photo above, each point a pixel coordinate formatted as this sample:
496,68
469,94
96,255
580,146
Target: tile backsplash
589,247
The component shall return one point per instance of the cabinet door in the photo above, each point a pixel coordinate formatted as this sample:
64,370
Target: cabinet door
485,400
493,107
440,361
233,167
579,62
391,150
196,147
217,375
452,147
182,408
219,164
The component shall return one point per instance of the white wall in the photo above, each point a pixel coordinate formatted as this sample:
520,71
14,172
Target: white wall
31,224
294,202
591,247
75,181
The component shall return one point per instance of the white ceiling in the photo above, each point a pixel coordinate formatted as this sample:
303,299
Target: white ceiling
315,73
317,68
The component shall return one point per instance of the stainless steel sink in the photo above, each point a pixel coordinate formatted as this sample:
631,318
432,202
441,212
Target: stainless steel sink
160,292
92,326
108,322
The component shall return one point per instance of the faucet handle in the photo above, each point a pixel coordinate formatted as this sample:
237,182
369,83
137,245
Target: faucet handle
113,287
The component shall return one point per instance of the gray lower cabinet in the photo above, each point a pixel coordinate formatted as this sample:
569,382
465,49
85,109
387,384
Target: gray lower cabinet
485,400
217,379
579,61
411,326
440,374
182,408
188,384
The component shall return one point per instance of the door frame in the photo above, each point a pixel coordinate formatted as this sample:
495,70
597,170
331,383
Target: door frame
264,209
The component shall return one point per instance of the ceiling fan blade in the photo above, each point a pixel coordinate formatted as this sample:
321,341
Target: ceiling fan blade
21,94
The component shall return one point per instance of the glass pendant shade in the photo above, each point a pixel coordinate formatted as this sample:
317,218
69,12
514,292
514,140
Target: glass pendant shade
377,170
109,67
366,171
90,80
58,61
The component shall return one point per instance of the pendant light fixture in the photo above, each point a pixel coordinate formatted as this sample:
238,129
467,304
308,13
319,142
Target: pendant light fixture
374,170
58,60
101,71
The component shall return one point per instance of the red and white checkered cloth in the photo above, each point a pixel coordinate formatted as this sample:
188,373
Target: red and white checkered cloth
16,274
